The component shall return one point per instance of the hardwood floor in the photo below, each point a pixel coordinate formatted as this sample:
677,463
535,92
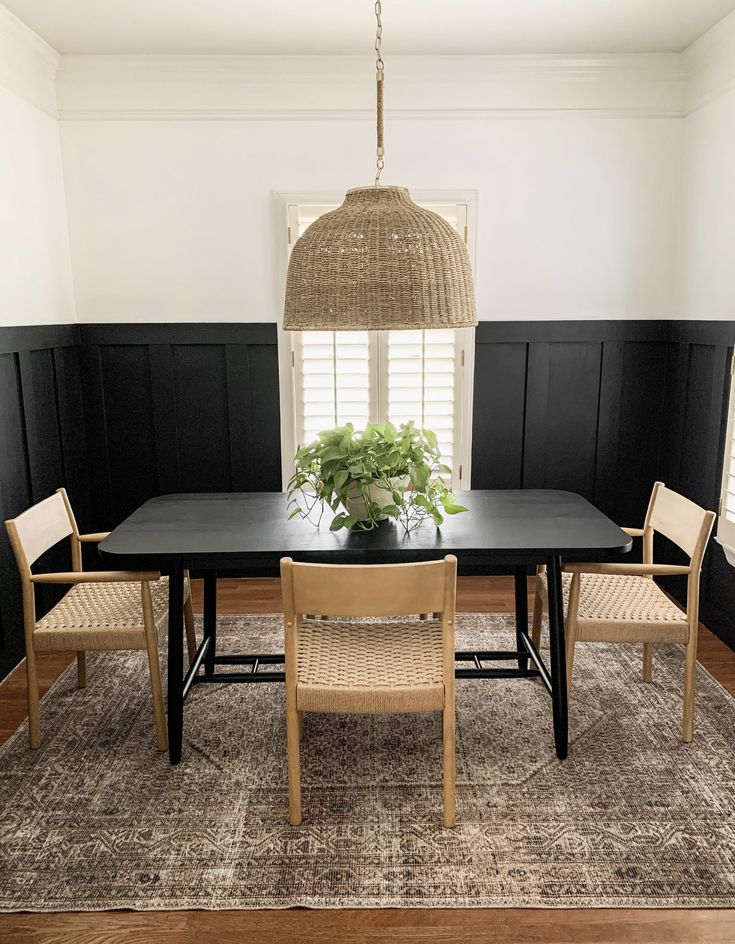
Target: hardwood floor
434,926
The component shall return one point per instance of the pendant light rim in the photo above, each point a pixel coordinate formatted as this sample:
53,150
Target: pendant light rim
379,188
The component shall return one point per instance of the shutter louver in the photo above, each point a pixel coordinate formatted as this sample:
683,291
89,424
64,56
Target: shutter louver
421,383
334,381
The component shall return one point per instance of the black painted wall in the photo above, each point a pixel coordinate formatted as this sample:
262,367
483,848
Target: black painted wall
572,405
179,408
42,446
699,354
118,413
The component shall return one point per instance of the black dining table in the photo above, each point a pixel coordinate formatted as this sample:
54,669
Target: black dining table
506,530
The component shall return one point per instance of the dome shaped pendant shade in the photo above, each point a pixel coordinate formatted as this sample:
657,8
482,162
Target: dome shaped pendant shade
379,262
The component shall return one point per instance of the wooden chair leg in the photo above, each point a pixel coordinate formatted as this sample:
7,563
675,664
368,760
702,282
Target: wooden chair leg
301,724
191,639
449,747
81,669
538,616
647,662
159,715
570,643
294,763
34,707
690,672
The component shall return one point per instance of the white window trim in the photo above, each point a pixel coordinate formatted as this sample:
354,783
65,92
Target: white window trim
725,528
465,377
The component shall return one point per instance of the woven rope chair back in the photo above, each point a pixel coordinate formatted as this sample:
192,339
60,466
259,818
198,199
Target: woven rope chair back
41,527
372,589
681,521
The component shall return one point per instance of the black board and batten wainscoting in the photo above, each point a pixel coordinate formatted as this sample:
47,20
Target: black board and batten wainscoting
120,413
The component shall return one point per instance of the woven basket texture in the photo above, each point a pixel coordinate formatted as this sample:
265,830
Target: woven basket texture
379,262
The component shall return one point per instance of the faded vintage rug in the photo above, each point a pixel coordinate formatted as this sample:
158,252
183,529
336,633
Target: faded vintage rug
97,819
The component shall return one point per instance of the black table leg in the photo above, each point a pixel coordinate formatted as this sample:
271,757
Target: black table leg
558,657
210,619
521,587
175,661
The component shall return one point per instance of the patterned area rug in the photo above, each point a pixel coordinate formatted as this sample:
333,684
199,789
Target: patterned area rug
97,819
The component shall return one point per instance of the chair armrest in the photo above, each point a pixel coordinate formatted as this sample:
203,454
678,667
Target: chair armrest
98,576
631,570
634,532
94,538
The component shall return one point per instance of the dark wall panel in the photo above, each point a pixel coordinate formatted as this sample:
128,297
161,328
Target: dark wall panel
499,413
42,447
563,390
180,408
572,405
699,354
14,497
630,427
126,382
202,416
43,437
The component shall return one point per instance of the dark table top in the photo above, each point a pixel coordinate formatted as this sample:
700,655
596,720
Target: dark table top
503,526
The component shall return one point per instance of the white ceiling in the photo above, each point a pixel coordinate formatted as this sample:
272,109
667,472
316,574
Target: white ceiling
309,27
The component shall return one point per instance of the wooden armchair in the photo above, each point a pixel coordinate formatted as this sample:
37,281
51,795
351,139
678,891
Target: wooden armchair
370,667
621,603
106,610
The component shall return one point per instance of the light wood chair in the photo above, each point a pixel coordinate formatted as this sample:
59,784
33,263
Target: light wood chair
370,667
621,602
104,610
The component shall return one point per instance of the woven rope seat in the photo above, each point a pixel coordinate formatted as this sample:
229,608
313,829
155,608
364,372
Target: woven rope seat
102,616
370,667
608,601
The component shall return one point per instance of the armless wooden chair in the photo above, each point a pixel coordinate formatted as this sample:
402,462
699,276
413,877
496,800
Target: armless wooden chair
104,610
621,602
369,667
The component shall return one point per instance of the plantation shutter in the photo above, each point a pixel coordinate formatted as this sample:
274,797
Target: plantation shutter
420,380
333,384
726,521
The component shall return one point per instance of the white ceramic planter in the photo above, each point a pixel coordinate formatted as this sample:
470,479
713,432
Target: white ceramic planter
355,503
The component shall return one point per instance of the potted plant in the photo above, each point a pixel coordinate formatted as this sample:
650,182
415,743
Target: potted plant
369,476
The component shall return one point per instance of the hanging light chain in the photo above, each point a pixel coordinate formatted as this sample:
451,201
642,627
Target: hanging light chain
379,76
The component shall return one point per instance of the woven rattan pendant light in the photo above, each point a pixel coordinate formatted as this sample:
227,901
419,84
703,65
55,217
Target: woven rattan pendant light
379,261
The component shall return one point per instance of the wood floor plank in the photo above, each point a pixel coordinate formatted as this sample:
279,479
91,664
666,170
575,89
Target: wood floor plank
369,926
432,926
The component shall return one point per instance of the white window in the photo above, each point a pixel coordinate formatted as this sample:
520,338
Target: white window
358,377
726,520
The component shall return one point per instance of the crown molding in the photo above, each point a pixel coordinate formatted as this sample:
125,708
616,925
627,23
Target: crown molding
28,64
341,87
709,64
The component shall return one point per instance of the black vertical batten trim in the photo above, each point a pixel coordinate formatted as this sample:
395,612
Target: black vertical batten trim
24,427
163,399
240,420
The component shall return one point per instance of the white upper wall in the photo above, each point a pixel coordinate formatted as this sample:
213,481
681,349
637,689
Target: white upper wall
706,224
584,169
35,265
705,270
177,221
171,166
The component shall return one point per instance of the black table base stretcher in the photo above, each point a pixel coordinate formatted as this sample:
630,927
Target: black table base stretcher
510,529
206,653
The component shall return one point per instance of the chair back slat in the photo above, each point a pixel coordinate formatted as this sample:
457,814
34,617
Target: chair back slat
677,518
41,526
369,590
